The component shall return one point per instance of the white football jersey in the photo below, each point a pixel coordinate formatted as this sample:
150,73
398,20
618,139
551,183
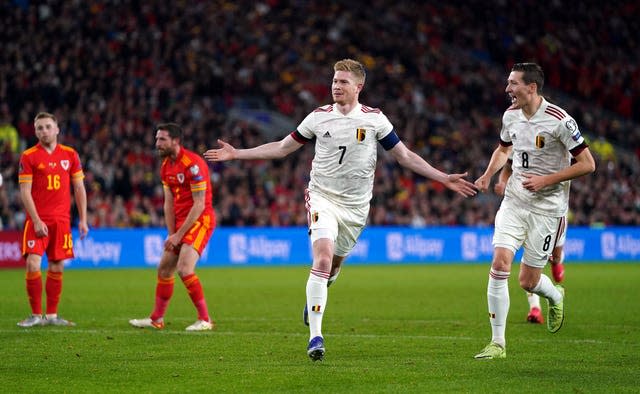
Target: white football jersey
541,145
345,151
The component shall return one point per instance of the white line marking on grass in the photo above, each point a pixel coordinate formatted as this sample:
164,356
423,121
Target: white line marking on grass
137,331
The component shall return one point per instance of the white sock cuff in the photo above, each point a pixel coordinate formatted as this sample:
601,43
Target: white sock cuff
499,275
320,274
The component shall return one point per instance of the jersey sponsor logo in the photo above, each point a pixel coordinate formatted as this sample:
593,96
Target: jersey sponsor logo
41,166
64,164
326,134
180,178
539,141
361,134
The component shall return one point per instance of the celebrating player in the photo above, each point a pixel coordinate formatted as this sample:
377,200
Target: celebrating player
47,172
346,134
536,197
190,219
557,255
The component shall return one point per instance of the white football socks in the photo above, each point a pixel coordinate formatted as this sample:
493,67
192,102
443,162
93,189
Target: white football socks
316,302
498,300
534,300
546,289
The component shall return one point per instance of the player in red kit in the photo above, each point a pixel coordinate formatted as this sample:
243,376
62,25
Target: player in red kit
47,172
190,221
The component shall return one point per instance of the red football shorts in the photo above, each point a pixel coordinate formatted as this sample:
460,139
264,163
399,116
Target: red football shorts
58,245
199,234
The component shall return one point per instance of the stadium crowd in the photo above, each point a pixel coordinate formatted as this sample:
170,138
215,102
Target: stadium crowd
111,71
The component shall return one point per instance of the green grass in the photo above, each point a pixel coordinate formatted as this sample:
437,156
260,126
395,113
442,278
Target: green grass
411,328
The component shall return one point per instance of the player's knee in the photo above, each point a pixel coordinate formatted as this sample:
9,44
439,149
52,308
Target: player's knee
527,284
500,264
322,263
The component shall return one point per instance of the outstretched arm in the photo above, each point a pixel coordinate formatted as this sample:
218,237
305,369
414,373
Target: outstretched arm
270,150
417,164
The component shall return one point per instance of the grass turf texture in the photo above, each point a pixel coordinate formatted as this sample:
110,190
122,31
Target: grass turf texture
410,328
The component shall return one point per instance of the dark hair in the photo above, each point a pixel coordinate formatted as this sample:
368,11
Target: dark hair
531,73
174,129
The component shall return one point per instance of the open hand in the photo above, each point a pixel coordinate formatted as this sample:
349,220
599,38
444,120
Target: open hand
457,183
224,153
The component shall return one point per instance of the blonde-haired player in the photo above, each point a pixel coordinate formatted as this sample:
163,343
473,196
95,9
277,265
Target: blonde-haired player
346,135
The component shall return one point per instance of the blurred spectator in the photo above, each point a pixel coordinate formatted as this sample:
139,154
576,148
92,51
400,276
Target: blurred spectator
112,71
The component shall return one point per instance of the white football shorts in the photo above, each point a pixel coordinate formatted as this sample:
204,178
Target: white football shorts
328,220
517,227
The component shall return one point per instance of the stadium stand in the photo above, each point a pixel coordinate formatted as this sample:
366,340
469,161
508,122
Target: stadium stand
110,71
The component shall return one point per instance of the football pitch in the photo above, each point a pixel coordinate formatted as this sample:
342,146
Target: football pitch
408,328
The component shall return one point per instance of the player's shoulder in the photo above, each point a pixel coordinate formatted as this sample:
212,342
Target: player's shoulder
554,112
67,148
328,108
190,158
30,151
370,110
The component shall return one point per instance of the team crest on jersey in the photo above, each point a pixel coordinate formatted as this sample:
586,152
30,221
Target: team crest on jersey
64,164
539,141
194,169
31,244
180,178
360,134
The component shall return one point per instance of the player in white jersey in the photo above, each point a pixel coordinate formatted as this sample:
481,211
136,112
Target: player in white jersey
557,255
536,197
346,134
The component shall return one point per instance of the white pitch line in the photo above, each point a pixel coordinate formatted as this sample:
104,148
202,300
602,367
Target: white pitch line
138,331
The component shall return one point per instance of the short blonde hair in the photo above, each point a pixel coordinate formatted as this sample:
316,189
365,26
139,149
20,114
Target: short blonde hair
45,115
354,67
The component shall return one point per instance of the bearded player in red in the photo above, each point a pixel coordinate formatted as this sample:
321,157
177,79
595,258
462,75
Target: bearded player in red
190,220
47,172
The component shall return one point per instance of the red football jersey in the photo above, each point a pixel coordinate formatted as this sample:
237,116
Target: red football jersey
50,175
188,173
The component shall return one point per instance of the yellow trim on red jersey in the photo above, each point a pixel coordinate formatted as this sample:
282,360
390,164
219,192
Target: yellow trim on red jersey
25,178
31,150
186,160
67,148
198,187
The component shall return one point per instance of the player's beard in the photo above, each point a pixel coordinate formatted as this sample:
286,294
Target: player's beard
164,153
